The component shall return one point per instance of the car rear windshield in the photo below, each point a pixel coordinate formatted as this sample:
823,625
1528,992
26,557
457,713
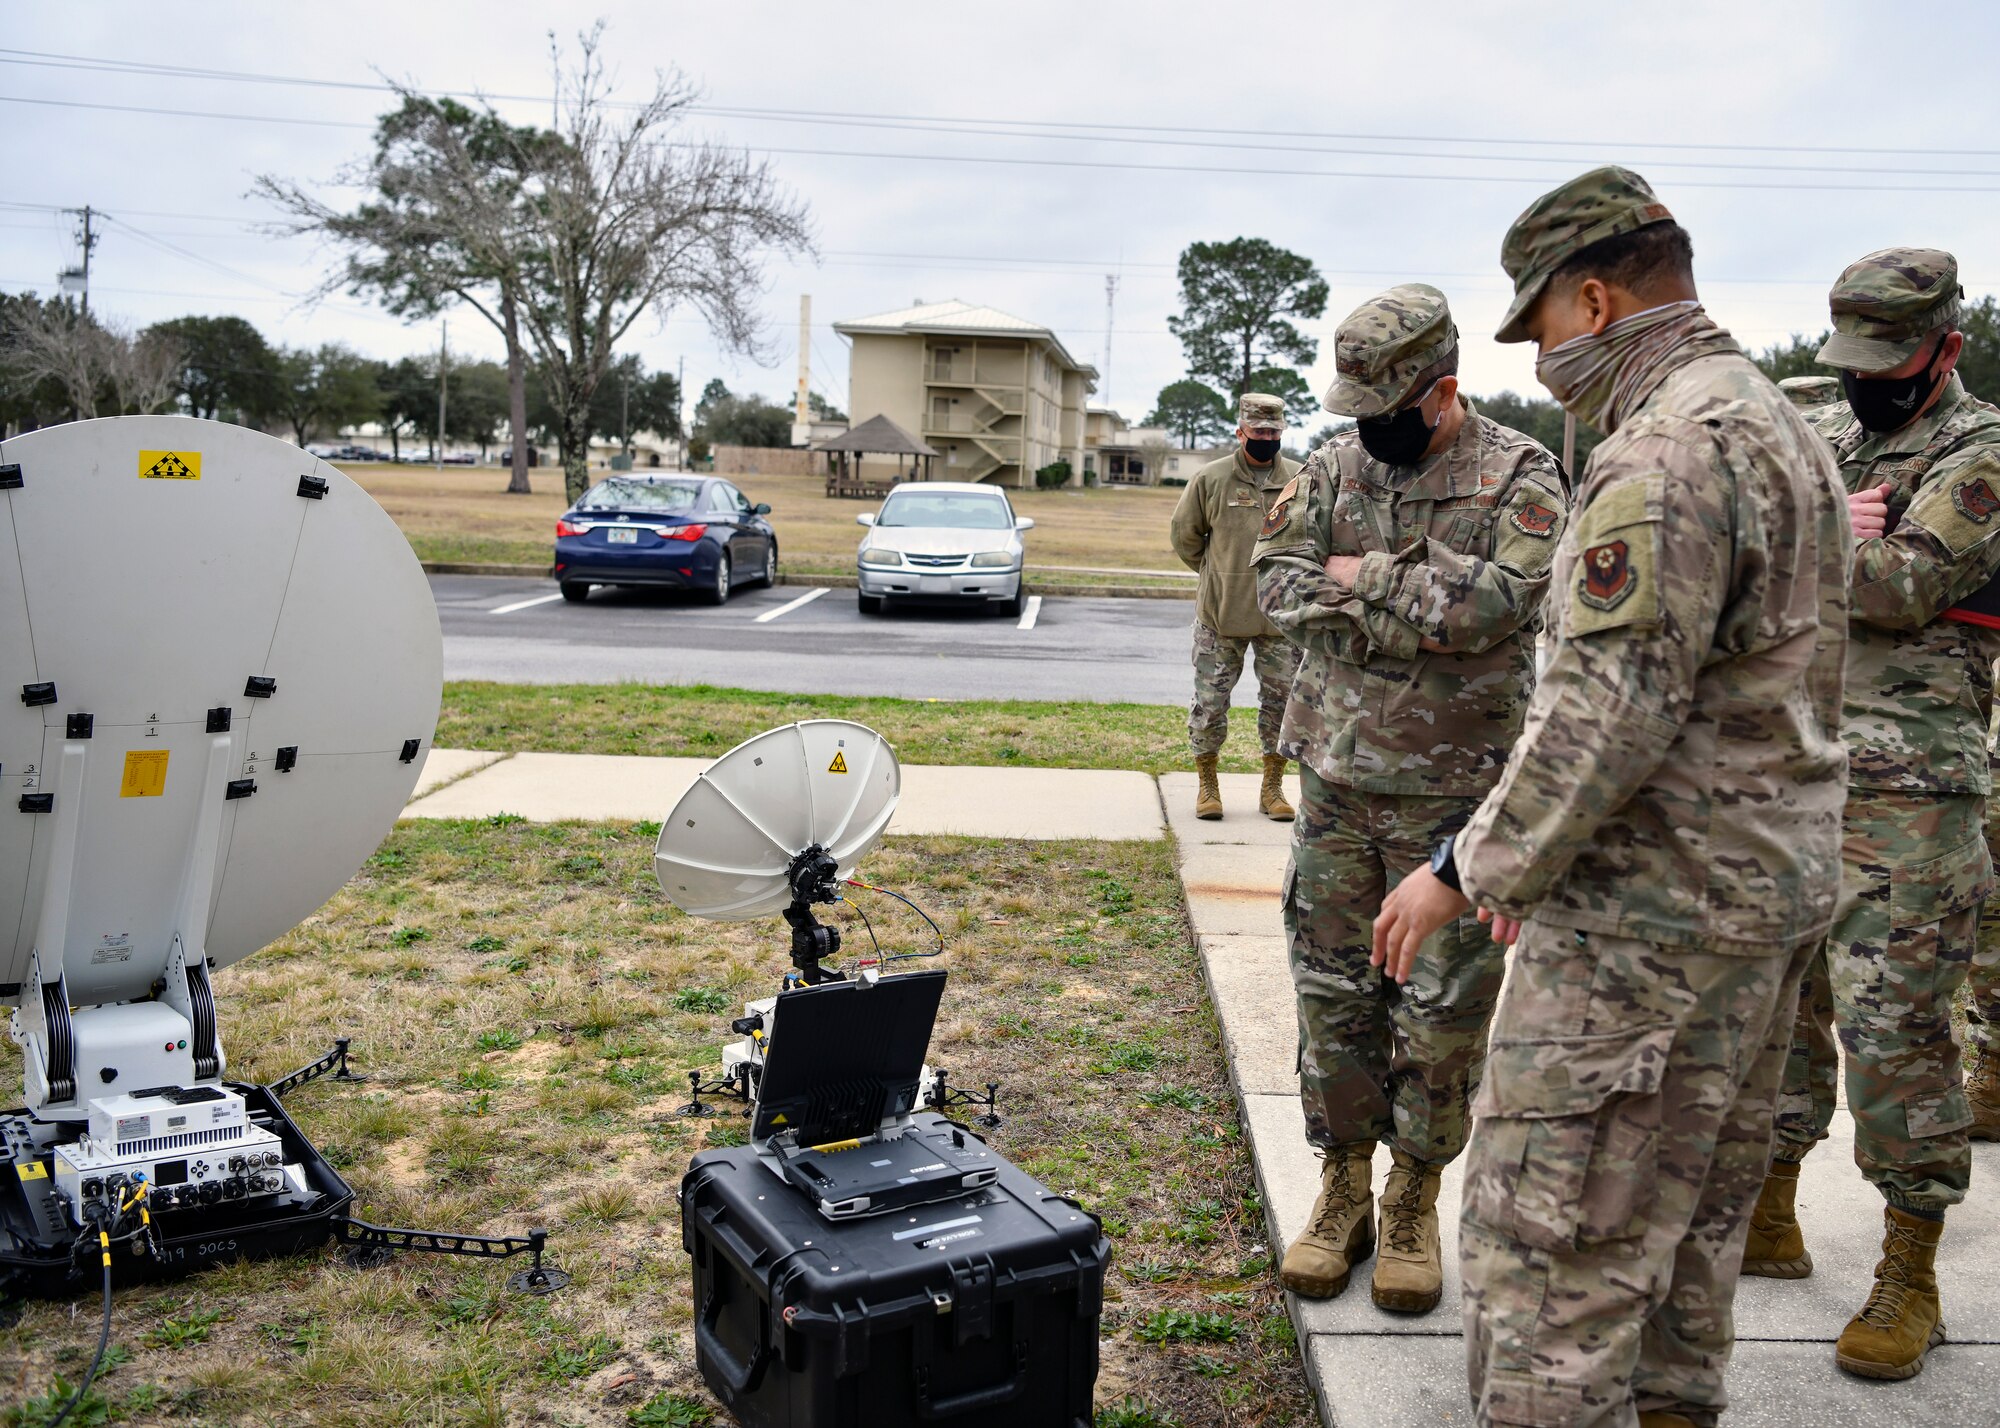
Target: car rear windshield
934,509
622,493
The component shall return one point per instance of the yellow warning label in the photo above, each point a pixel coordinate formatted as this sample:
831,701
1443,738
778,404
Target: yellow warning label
778,1119
145,774
839,764
170,466
34,1170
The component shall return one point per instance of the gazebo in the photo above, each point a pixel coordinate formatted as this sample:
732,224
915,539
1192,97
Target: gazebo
881,437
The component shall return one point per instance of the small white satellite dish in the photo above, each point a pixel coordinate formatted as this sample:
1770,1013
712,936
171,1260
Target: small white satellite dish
221,667
729,849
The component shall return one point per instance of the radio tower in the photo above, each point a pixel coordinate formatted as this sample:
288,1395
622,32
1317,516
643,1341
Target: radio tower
1110,301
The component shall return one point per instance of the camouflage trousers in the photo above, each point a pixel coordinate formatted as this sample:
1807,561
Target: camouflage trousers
1218,664
1378,1061
1623,1128
1982,1008
1914,869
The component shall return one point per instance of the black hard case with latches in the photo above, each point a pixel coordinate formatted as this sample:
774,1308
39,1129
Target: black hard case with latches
978,1312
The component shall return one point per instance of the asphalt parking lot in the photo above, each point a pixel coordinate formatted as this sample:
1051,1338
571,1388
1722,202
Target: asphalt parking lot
810,640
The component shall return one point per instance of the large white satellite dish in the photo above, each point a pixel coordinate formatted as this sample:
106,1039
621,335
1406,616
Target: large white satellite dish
730,849
222,668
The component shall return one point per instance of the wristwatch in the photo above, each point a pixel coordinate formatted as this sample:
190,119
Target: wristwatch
1444,865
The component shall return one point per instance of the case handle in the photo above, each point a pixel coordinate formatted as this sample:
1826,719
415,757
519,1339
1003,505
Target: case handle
976,1398
738,1376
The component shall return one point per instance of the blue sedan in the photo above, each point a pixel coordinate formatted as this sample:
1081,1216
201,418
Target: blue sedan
677,532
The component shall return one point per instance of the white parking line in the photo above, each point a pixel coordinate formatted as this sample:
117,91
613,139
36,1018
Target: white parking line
524,604
1028,615
786,609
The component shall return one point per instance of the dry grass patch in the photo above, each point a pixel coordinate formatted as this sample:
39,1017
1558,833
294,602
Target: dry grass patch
527,1055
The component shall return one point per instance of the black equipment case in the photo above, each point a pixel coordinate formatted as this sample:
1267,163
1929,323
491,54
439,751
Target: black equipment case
977,1312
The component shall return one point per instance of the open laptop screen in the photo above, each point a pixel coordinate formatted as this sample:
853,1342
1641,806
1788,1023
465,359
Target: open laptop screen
844,1055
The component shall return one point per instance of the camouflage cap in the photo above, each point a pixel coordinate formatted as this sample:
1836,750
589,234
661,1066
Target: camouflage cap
1383,349
1260,411
1886,303
1561,223
1806,393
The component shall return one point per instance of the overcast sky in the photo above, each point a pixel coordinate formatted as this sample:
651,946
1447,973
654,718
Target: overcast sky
1397,144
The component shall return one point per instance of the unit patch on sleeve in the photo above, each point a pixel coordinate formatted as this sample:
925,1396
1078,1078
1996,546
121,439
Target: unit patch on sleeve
1535,520
1975,500
1608,577
1280,508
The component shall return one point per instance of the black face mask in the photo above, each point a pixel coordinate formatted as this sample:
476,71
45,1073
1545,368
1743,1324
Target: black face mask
1398,439
1889,403
1261,449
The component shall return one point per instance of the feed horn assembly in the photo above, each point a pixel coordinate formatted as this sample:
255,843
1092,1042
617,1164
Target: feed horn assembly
220,669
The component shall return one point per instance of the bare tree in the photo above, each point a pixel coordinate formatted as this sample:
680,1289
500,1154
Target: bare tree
629,220
143,369
54,341
1153,450
574,234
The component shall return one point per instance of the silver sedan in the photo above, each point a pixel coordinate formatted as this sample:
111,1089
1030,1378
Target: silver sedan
943,541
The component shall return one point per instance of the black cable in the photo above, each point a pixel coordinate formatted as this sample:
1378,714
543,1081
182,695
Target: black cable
865,922
97,1360
937,931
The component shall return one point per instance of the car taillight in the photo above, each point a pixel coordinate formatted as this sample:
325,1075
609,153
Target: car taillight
566,528
683,532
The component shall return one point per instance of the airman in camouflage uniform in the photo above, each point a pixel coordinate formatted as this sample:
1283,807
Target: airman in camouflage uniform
1411,570
1667,829
1982,1012
1918,700
1214,527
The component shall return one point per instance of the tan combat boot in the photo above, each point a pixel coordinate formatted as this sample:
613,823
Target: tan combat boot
1901,1322
1208,794
1982,1093
1409,1275
1776,1248
1341,1231
1271,797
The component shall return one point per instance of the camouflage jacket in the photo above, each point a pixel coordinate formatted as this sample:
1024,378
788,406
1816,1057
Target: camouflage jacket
1415,680
1681,776
1920,687
1214,527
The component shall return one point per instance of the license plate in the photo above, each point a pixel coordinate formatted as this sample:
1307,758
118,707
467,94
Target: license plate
622,535
934,585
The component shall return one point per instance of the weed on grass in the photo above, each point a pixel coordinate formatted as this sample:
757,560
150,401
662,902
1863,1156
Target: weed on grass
531,1079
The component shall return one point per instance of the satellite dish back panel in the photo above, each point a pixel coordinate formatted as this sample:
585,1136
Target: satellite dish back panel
725,849
151,568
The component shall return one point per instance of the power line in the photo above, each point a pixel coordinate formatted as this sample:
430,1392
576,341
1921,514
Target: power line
1235,170
47,59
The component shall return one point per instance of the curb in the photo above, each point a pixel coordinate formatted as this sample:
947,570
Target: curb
837,582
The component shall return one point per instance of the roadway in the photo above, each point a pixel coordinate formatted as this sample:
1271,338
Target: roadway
806,640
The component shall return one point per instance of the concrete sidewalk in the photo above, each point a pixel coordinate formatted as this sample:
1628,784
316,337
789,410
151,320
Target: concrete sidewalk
975,802
1372,1369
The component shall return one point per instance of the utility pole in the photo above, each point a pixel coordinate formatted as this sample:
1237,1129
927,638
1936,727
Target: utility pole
1110,300
625,410
802,407
78,278
680,406
444,364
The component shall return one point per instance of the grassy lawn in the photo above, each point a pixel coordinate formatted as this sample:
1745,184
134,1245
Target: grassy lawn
527,1005
463,514
702,721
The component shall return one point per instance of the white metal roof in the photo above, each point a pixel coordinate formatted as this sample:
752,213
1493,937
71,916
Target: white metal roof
955,318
